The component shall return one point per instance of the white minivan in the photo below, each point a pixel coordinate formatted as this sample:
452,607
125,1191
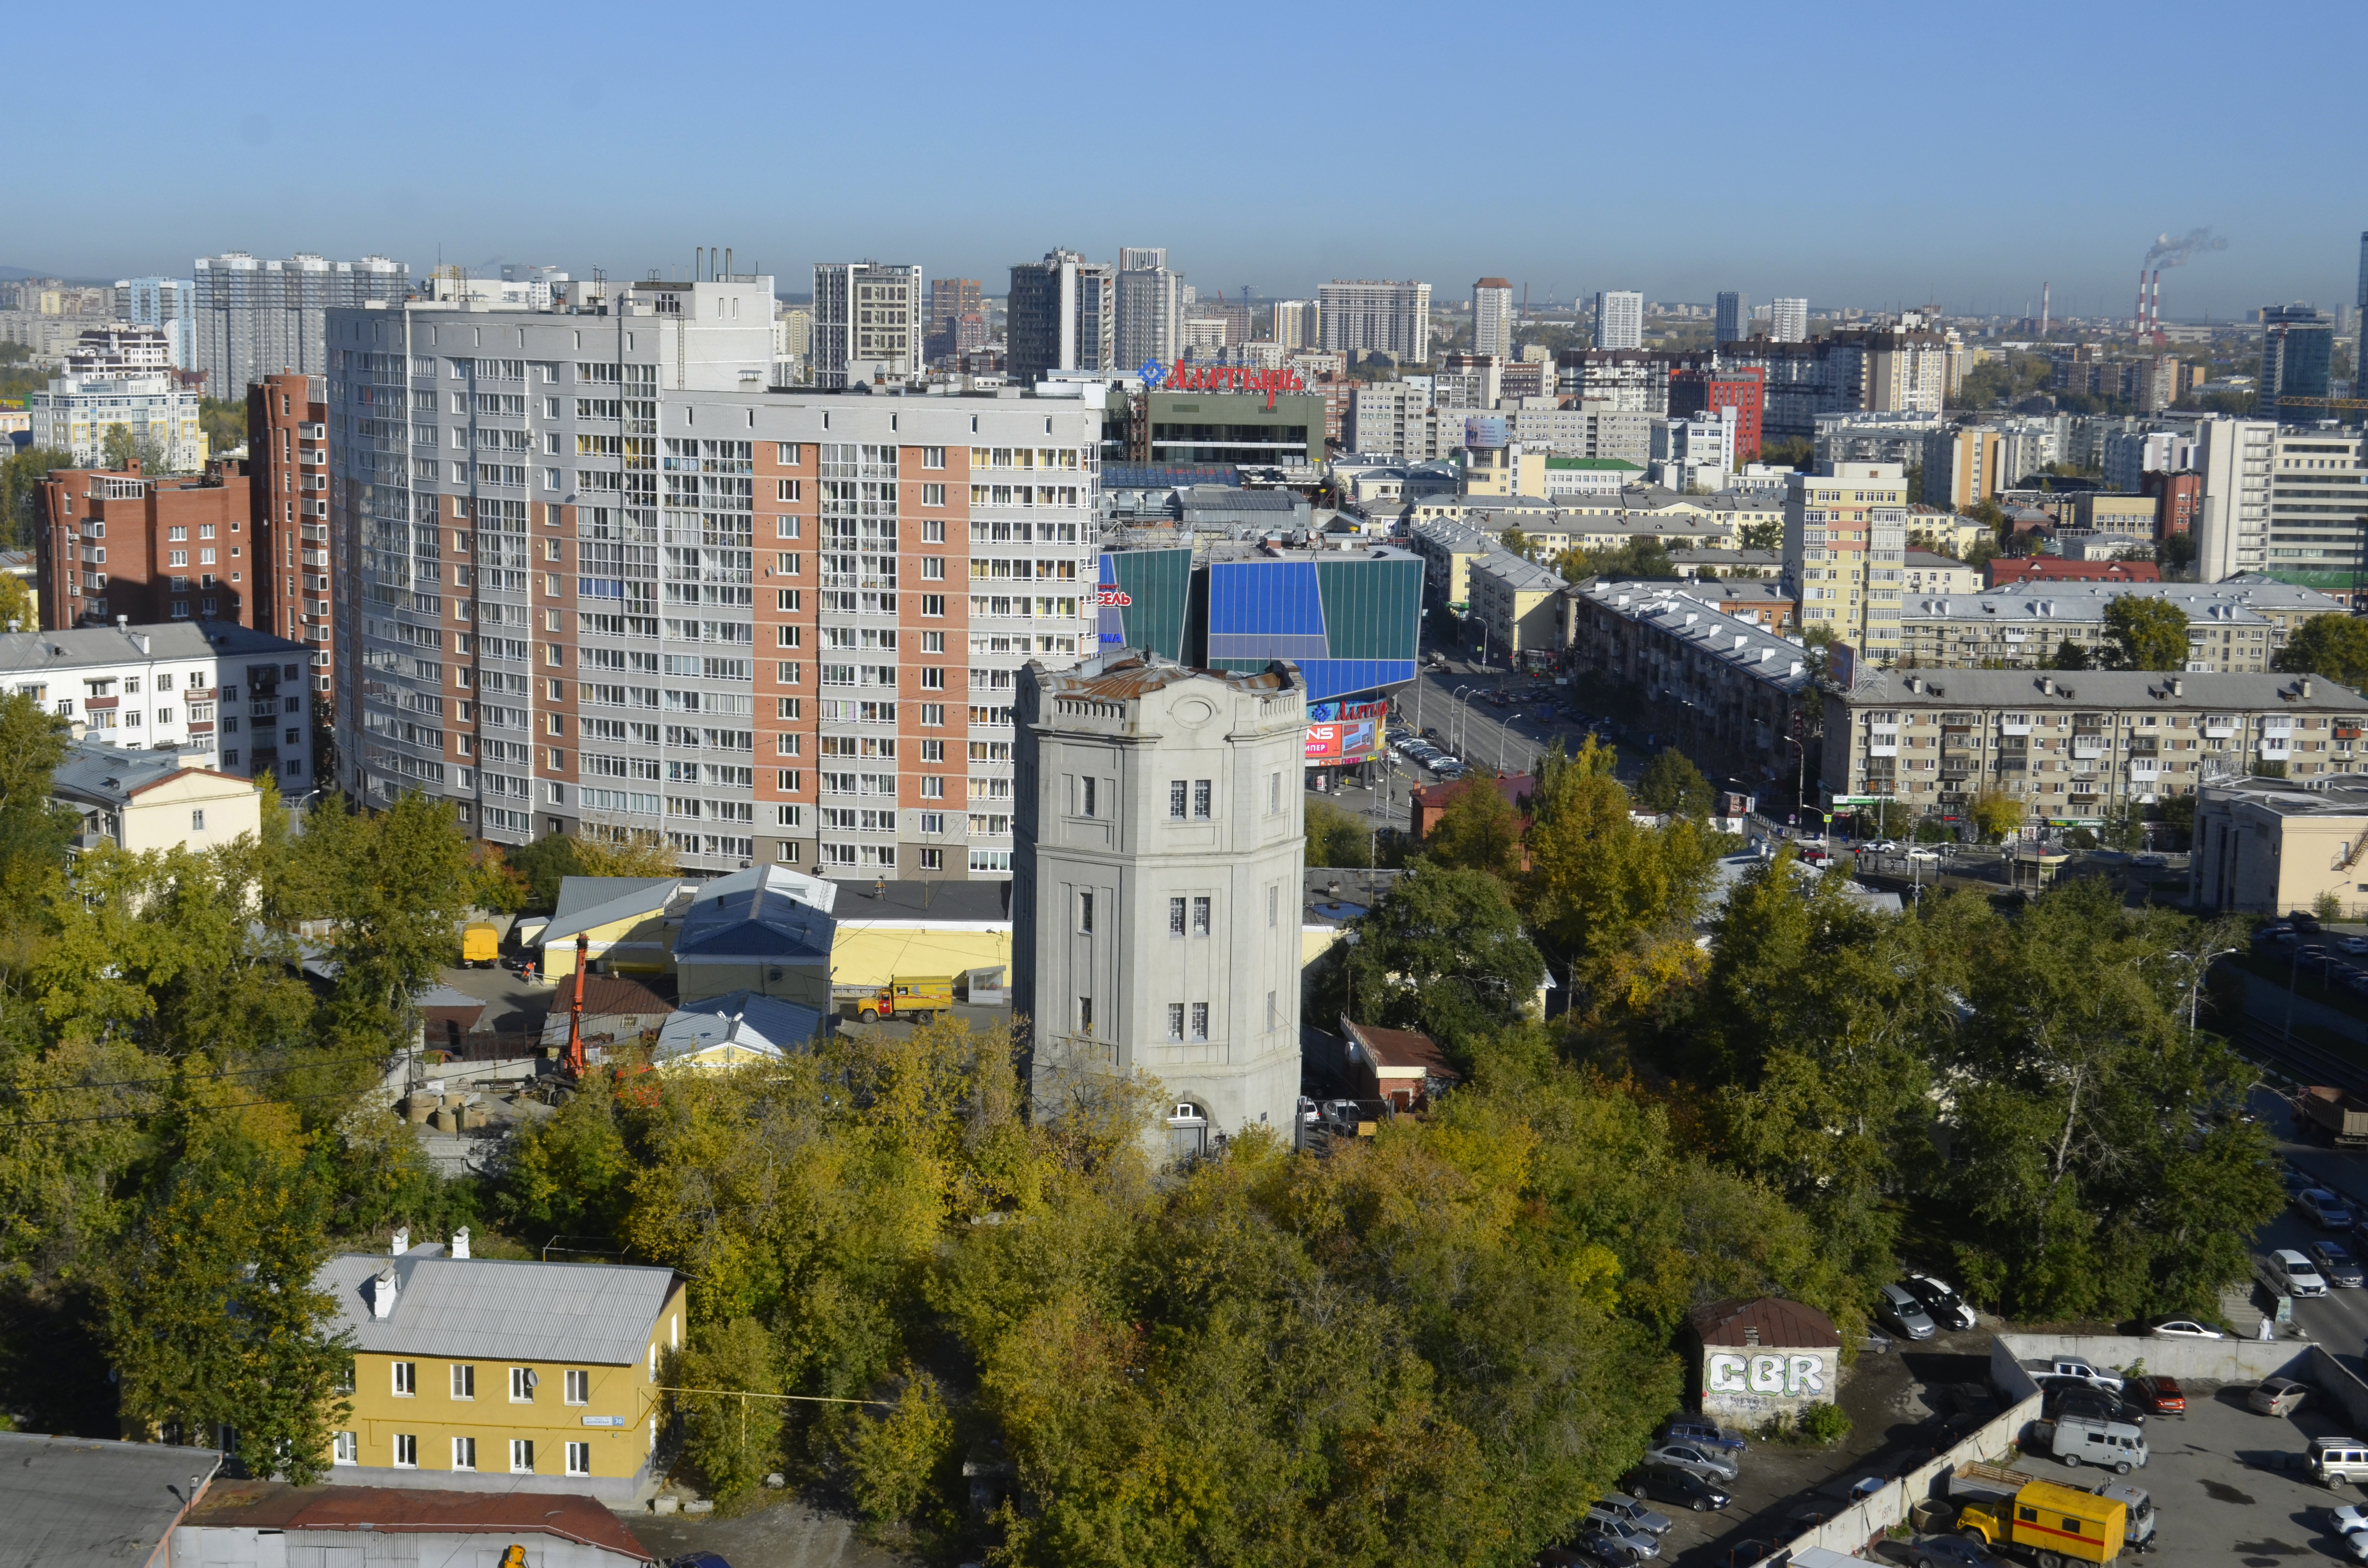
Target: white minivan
2114,1445
2294,1274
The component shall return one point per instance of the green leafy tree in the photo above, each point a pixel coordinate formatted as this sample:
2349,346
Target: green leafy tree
223,420
2069,655
2084,1187
20,480
211,1318
393,885
1763,535
1479,830
1336,838
1443,951
1671,782
2335,646
544,865
893,1460
1996,815
735,1442
1600,881
2148,634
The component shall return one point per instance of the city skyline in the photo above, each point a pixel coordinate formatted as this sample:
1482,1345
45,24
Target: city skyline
1872,224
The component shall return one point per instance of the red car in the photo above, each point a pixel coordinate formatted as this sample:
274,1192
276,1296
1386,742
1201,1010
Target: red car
2157,1394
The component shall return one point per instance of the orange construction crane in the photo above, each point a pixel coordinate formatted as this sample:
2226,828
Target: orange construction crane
574,1060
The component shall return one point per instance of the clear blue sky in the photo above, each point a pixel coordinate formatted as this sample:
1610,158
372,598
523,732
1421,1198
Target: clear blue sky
1858,155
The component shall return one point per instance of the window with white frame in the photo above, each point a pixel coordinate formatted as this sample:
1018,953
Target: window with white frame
521,1456
348,1451
406,1378
464,1453
579,1459
406,1450
464,1381
579,1386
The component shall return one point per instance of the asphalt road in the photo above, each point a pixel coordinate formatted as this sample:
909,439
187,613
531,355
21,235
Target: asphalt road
2338,1320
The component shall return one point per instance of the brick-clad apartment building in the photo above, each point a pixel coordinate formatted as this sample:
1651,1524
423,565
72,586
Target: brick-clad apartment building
593,578
288,496
122,545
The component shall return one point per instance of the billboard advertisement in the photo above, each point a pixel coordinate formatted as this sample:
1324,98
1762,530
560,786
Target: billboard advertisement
1486,433
1341,734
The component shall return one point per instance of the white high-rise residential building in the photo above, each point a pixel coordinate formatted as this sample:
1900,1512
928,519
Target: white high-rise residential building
605,582
1788,321
1492,317
1062,314
1156,886
866,324
1734,321
1362,315
1147,307
1298,323
168,304
160,416
2233,529
1619,319
255,318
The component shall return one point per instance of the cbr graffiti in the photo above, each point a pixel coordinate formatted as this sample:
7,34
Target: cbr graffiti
1788,1375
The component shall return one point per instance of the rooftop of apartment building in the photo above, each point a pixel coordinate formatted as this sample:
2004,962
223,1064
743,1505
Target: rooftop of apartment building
1674,609
98,774
2023,602
2337,795
1519,575
2249,593
88,647
2090,689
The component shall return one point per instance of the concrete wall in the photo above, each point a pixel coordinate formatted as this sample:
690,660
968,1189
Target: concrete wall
2207,1360
234,1546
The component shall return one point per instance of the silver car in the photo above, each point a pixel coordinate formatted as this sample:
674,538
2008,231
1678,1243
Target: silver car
1632,1510
1904,1313
1637,1545
1705,1462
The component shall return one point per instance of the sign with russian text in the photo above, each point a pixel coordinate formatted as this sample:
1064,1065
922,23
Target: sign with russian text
1220,379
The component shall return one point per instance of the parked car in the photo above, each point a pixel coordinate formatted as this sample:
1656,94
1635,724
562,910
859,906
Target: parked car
2305,923
2150,858
2327,1211
1903,1311
2184,1328
2081,1400
1881,846
1940,1304
1922,852
2292,1273
2156,1393
1680,1488
2336,1265
2073,1367
1630,1509
1702,1435
1604,1525
1811,855
1707,1463
2277,1396
2349,1519
1953,1552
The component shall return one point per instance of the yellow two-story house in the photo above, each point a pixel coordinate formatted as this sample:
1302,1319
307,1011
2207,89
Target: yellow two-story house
496,1375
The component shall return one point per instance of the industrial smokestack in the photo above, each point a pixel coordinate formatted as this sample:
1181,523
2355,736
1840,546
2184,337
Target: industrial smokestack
2043,310
2137,324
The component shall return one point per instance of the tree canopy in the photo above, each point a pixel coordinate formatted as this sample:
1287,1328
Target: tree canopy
2335,646
2148,633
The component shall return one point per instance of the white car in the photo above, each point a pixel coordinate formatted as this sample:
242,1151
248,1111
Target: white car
2350,1519
2184,1328
2297,1274
1922,852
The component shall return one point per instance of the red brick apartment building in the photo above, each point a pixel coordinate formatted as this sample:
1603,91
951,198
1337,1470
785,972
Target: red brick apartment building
118,545
287,493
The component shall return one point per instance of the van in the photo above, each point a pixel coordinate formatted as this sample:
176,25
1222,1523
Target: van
2115,1445
2333,1460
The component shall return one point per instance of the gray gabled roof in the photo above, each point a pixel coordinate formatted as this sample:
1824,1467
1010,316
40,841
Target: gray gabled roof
167,641
586,903
498,1309
86,1503
98,774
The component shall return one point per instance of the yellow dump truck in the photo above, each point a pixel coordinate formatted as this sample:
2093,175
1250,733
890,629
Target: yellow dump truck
2035,1521
481,944
915,998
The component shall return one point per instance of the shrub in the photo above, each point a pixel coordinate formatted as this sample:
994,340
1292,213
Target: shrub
1825,1424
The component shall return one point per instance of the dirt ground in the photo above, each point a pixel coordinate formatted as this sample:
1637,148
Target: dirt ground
788,1533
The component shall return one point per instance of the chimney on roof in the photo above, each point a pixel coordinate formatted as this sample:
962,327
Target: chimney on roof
461,1242
2305,686
122,620
382,1294
2048,685
1752,1337
2178,686
401,1242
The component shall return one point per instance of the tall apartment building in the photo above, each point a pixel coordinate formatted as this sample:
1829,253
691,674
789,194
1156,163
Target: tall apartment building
593,578
76,414
2128,456
1156,891
1960,467
1298,323
117,545
1492,317
168,304
1393,318
1697,390
1467,380
288,503
1788,321
1619,319
256,317
1845,549
1734,317
2298,361
866,324
953,304
1147,315
2233,457
1626,379
2319,491
1064,316
2360,321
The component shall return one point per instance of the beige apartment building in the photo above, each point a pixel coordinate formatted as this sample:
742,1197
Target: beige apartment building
2079,745
2272,846
2236,627
1514,601
1845,549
